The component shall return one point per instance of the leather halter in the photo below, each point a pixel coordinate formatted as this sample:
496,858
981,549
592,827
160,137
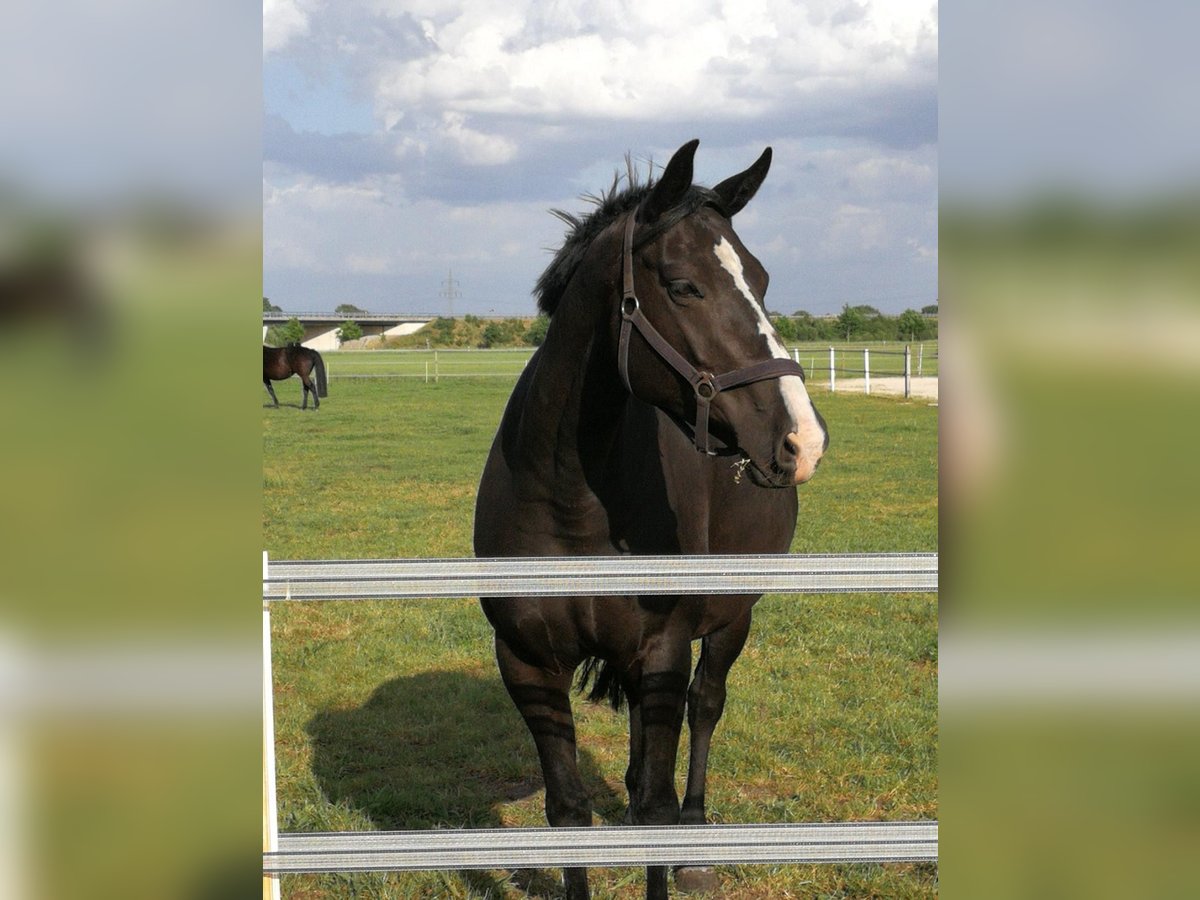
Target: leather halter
705,384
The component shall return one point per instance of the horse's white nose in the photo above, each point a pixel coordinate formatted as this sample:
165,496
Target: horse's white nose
806,463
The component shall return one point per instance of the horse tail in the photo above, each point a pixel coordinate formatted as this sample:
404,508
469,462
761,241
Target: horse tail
605,685
322,383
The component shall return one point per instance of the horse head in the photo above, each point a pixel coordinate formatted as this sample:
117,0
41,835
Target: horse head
708,355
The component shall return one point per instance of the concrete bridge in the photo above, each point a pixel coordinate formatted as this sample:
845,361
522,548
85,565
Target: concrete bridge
320,328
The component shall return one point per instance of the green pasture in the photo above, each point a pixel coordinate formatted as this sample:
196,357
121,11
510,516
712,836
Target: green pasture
392,715
433,365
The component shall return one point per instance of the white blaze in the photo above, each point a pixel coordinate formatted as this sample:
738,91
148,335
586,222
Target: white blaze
795,396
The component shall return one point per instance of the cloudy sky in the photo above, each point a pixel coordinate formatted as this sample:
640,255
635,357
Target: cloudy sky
406,140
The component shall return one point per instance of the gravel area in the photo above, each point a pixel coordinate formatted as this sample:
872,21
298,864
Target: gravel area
924,388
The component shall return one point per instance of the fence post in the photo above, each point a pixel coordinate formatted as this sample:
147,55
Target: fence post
907,371
435,367
832,369
270,814
920,357
796,355
867,368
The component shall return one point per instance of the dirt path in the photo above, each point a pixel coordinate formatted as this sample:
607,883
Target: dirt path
925,388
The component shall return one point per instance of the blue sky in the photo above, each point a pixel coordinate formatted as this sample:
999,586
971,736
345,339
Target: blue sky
403,141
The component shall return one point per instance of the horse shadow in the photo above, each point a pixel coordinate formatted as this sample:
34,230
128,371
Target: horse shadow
441,749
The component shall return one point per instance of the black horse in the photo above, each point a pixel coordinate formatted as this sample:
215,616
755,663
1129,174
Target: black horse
661,415
280,363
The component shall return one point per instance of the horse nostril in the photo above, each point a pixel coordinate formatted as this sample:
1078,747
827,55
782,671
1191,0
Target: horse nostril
793,452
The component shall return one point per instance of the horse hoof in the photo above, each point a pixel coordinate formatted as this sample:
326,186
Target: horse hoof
696,879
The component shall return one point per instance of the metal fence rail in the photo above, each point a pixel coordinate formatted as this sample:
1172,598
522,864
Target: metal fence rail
608,575
506,848
310,580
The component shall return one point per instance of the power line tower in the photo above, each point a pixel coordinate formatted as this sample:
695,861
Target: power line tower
450,291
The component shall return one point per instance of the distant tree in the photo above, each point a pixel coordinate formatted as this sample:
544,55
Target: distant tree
349,309
911,325
851,322
470,319
268,306
441,331
493,335
867,310
514,331
785,326
536,333
809,328
930,310
290,332
350,331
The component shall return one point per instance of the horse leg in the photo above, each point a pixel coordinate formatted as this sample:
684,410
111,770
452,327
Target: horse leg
271,391
706,702
656,707
544,701
633,772
656,876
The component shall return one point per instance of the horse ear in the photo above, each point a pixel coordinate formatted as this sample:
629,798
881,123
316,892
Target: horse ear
675,181
737,191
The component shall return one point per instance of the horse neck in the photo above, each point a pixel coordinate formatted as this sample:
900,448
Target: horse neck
575,399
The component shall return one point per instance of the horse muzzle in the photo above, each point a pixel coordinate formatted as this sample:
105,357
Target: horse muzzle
802,456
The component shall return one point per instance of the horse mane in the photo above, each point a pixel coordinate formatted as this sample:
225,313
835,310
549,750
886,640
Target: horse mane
624,194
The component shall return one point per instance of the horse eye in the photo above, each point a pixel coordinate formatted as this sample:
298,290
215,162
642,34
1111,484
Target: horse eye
683,288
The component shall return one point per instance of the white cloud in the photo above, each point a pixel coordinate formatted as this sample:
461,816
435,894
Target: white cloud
884,176
282,21
475,147
372,228
922,252
322,197
642,62
364,264
489,114
285,252
855,229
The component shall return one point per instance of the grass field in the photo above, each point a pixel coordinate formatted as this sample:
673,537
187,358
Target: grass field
431,365
392,715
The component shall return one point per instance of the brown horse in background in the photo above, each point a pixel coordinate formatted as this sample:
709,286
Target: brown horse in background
280,363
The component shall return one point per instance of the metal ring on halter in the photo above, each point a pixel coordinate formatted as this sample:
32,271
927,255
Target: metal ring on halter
629,305
704,387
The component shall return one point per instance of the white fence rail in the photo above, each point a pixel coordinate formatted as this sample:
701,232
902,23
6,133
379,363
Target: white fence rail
908,365
877,362
502,848
400,579
323,580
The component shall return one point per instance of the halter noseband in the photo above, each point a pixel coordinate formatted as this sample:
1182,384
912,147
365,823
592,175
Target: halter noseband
705,384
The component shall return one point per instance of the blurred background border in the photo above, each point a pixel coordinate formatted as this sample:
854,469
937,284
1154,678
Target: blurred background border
130,192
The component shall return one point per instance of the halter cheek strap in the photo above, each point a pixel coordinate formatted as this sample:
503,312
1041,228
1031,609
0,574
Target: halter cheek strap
705,384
